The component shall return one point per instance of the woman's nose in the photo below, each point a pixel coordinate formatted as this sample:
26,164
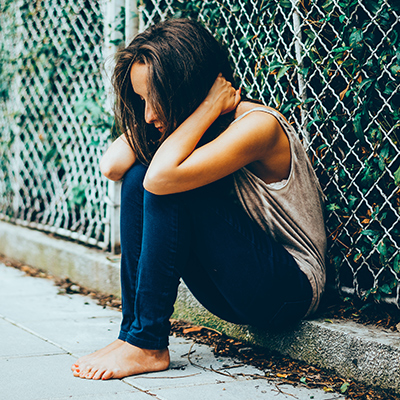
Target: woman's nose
149,114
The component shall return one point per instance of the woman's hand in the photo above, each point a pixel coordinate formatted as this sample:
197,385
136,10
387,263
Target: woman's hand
223,95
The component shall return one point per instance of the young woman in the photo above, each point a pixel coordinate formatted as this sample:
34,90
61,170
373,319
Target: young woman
216,190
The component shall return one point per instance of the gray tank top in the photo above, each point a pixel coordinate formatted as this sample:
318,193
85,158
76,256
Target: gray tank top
292,211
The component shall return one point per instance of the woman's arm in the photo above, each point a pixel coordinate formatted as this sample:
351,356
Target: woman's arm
178,166
118,158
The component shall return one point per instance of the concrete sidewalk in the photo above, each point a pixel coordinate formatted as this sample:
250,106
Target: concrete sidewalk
43,332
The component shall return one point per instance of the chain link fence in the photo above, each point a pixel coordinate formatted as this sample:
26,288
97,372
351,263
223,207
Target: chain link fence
53,129
332,67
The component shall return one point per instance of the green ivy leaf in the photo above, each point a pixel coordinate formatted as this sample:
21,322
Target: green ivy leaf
78,195
312,122
396,264
356,38
282,71
377,296
370,232
353,201
397,177
365,85
285,3
358,129
395,69
235,8
332,207
382,249
385,288
390,88
381,164
268,51
344,387
341,49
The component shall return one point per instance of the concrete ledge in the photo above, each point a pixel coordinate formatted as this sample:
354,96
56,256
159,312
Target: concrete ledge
89,267
366,354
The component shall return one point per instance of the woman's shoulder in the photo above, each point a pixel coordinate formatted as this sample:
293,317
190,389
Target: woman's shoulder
256,114
269,136
247,106
252,109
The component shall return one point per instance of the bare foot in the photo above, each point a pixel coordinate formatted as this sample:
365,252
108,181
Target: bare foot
83,362
125,360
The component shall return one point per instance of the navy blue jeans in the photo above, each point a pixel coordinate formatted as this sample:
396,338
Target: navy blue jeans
204,237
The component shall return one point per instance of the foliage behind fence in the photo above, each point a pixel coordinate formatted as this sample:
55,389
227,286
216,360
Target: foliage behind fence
53,125
332,67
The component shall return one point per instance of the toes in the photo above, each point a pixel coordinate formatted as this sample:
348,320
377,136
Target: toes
99,374
91,374
107,375
85,371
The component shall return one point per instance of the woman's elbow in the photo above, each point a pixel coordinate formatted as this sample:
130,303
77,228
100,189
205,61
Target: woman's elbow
110,171
153,183
150,185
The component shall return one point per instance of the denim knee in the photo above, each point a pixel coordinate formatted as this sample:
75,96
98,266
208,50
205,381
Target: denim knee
133,180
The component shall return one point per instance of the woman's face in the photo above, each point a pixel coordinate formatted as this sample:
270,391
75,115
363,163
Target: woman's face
139,78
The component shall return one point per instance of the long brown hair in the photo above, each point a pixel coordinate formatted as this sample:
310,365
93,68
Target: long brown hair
184,60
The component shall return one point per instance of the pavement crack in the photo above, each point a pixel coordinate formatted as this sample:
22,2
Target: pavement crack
24,328
33,356
153,395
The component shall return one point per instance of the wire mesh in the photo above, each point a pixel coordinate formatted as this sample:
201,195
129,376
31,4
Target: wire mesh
52,131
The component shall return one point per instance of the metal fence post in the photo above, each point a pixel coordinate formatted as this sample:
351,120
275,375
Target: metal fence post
111,10
300,78
131,20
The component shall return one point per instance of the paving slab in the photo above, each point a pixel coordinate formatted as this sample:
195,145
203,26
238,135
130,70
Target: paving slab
79,335
197,370
129,395
20,343
205,376
244,390
57,306
45,377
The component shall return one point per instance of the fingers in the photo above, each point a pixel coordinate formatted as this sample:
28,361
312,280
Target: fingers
233,101
223,95
221,79
238,96
229,84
